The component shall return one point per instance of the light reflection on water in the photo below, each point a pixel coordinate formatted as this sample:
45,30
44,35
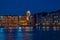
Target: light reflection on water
14,34
2,35
19,34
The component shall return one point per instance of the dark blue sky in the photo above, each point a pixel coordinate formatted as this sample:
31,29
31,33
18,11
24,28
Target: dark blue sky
19,7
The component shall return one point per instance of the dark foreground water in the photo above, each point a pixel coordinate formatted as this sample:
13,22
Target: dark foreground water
18,34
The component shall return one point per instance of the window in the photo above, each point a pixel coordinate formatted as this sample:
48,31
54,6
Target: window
1,17
58,28
54,28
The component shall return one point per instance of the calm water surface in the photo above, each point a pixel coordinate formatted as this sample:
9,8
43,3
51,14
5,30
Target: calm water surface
19,34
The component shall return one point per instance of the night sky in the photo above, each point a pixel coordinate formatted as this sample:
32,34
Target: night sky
19,7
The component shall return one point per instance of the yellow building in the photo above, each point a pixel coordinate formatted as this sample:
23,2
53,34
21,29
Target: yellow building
24,20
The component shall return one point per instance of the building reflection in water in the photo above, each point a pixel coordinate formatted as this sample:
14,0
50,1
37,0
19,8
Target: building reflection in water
10,34
36,34
2,34
19,34
27,36
27,33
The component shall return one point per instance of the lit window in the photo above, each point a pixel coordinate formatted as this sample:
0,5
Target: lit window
43,23
55,16
47,23
58,28
54,28
1,17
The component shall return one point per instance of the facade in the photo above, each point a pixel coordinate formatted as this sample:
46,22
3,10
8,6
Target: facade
10,21
42,20
48,20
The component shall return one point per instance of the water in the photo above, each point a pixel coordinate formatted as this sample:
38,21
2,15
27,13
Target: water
19,34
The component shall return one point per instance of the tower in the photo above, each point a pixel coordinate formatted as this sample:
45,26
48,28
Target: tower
28,13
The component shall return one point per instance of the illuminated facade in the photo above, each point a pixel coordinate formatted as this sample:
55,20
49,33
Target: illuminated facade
48,20
42,20
15,21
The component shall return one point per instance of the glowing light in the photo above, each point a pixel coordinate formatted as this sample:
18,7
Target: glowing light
19,29
1,30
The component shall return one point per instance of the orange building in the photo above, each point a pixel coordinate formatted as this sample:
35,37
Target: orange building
10,21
